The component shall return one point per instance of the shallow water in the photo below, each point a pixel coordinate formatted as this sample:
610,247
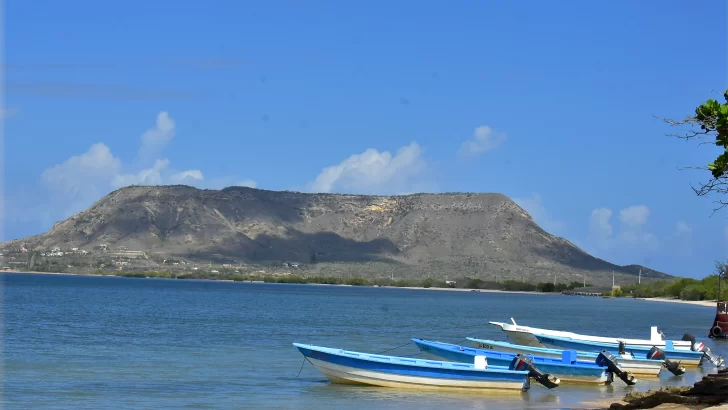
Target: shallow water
107,342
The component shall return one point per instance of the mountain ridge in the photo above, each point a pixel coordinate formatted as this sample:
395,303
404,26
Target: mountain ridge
484,235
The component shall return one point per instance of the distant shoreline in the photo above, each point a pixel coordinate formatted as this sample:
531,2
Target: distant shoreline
312,284
704,303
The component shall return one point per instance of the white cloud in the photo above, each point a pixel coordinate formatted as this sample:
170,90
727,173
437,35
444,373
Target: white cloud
373,172
82,179
484,140
683,229
534,206
159,174
155,139
88,171
190,176
150,176
632,229
248,183
600,228
683,238
634,216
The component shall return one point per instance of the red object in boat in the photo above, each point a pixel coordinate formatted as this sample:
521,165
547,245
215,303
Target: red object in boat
719,330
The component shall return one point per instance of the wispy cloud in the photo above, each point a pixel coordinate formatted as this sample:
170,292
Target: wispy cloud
95,91
632,233
201,63
535,207
247,183
156,138
484,139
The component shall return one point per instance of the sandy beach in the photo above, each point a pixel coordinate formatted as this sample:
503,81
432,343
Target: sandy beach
709,303
473,290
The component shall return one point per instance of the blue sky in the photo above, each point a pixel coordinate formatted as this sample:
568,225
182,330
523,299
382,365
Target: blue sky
550,103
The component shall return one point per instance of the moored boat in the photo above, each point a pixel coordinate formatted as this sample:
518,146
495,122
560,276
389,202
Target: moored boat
525,335
719,330
636,365
686,358
348,367
568,369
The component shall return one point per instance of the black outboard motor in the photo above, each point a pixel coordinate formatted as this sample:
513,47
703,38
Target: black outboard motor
701,347
608,360
622,348
521,362
674,367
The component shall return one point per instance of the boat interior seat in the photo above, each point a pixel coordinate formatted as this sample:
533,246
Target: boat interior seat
568,356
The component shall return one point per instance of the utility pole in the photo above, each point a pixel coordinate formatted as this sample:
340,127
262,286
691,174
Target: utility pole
720,273
639,278
612,279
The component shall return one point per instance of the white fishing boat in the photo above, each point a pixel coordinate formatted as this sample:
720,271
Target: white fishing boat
524,335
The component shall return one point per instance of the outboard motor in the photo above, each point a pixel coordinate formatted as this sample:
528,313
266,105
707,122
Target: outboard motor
521,362
622,348
701,347
673,367
606,359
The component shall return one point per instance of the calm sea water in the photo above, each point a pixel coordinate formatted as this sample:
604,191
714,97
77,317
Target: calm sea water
105,342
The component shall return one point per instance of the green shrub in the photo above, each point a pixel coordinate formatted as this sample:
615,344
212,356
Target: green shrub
357,282
546,287
474,283
693,292
514,285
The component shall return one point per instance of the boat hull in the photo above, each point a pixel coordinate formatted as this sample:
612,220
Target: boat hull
638,367
351,375
581,373
344,367
525,335
687,358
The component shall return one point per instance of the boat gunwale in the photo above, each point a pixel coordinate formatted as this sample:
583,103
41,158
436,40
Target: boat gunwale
616,345
555,351
406,361
579,364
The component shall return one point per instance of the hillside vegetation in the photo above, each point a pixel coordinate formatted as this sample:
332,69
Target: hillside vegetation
437,236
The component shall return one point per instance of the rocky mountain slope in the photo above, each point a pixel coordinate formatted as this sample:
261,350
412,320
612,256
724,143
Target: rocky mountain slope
480,235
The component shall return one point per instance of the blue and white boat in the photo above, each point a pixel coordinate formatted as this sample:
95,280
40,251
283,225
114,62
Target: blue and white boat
567,368
347,367
686,358
637,366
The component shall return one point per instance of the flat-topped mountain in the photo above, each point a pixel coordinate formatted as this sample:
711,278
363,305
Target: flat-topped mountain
437,235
